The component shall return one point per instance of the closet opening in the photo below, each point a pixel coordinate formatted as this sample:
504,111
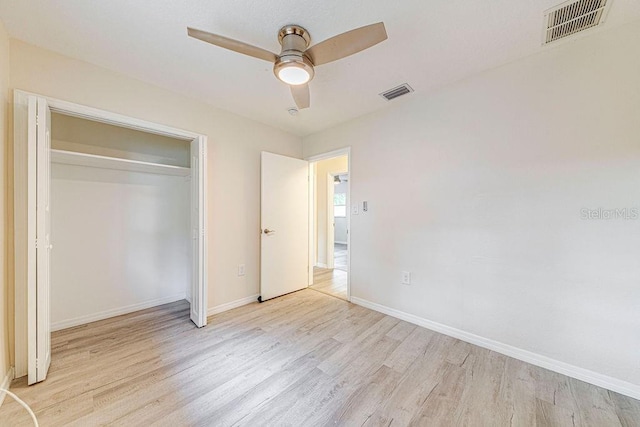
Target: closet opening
109,219
120,220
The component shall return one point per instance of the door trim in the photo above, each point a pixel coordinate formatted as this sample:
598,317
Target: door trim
24,179
346,151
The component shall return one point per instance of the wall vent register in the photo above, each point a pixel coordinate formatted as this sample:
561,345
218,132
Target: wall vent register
572,17
396,92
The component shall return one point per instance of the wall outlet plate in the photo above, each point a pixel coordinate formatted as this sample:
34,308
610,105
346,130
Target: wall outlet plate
241,270
406,278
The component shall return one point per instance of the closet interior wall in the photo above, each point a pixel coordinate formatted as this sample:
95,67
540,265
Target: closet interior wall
121,237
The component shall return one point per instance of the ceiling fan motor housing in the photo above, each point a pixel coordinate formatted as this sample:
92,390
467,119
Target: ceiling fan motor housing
294,40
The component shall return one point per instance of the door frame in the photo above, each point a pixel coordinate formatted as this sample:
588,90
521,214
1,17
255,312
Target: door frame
24,218
346,151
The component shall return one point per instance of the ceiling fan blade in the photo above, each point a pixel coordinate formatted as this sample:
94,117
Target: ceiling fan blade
301,96
346,44
231,44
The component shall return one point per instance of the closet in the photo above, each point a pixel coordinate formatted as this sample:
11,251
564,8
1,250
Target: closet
109,218
119,220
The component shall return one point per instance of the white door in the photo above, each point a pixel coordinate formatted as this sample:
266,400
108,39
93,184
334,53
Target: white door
284,248
198,252
39,315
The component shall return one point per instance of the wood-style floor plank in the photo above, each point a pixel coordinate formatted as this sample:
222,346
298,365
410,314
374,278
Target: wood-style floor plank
330,281
304,359
340,258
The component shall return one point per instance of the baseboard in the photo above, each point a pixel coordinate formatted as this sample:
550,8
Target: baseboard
5,384
94,317
231,305
591,377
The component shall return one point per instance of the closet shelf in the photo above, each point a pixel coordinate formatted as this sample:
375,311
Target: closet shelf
104,162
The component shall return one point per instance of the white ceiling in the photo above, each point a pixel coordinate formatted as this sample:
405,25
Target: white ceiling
431,43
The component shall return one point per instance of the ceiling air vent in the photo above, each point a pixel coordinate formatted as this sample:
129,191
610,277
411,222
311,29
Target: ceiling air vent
396,92
572,17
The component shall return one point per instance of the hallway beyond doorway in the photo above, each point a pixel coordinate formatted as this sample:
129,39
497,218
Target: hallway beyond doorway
330,281
340,256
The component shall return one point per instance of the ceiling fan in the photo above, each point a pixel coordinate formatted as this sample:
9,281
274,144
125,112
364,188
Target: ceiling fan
295,63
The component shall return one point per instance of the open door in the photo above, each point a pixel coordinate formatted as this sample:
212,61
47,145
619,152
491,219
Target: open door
198,253
284,247
38,302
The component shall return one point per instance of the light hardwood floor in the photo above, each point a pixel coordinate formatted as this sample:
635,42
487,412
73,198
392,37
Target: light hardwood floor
340,256
305,359
330,281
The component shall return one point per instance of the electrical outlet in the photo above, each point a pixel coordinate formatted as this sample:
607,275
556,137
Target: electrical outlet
406,278
241,270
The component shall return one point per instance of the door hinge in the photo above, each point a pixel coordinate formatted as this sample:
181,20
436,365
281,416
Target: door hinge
36,242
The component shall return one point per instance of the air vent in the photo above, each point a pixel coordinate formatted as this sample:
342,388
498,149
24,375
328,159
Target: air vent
572,17
396,92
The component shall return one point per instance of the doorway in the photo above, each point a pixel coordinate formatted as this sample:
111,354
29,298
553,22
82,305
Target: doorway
304,224
330,220
338,211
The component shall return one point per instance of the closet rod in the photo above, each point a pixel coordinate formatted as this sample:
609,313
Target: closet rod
104,162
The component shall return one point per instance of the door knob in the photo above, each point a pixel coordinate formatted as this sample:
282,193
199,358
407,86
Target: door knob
267,231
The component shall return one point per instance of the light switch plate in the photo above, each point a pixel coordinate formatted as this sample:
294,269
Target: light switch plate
354,209
241,270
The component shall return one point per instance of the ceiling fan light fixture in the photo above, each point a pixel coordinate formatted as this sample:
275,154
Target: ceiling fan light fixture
294,71
294,65
293,75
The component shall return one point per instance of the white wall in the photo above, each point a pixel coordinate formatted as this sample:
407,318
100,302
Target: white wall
121,242
340,230
322,169
495,172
